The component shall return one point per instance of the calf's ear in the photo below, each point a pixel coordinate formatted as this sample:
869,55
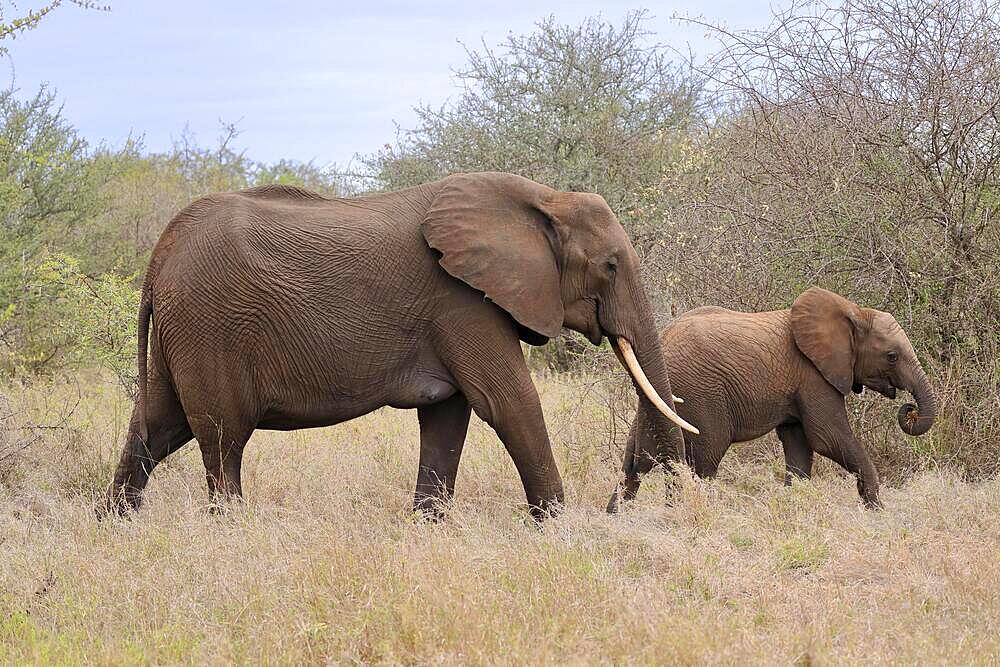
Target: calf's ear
825,328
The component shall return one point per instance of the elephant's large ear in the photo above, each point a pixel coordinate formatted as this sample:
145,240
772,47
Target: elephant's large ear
824,325
493,235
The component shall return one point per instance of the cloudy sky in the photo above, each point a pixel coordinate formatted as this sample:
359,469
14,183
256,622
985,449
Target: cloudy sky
310,80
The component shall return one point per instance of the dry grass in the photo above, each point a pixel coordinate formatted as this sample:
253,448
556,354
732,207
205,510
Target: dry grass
324,563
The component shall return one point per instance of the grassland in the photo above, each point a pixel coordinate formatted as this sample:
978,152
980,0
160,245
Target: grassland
323,563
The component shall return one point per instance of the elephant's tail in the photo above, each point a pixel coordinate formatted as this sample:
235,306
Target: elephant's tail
145,315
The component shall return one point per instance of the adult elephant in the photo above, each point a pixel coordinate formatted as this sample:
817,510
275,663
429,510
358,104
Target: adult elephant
280,309
745,374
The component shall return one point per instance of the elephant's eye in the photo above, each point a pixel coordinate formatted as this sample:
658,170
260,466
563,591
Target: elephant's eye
893,357
612,265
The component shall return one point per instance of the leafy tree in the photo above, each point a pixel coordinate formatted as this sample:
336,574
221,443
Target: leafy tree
594,107
93,318
49,192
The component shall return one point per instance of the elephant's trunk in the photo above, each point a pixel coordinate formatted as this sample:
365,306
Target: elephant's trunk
918,419
654,438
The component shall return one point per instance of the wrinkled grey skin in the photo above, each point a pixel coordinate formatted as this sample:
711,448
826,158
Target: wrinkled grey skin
742,375
276,308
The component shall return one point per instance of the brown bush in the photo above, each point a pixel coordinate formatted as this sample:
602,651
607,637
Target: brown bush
857,147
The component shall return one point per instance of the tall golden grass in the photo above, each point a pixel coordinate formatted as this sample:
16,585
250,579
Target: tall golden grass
324,562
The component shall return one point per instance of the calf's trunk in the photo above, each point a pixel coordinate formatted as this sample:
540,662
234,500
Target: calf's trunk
918,419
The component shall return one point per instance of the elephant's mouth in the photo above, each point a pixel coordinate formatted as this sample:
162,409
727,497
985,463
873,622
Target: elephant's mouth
881,385
886,389
596,331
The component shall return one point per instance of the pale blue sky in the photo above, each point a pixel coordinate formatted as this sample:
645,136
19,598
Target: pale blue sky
311,81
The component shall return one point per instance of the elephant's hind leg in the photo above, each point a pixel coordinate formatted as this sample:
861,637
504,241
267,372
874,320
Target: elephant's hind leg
443,427
222,440
798,454
167,431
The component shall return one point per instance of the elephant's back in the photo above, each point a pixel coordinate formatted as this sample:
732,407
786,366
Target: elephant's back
276,277
285,237
726,336
713,323
714,354
286,224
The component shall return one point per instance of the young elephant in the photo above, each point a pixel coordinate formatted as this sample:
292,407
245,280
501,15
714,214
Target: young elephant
742,375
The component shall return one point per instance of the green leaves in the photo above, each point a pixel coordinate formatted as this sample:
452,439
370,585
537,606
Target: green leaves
51,197
594,107
10,28
67,319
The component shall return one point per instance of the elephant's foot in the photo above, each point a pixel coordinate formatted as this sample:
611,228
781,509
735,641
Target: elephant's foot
122,501
874,504
615,501
625,492
795,476
430,508
540,510
223,504
869,495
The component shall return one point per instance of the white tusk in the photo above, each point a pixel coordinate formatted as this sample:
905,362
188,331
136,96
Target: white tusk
640,379
677,399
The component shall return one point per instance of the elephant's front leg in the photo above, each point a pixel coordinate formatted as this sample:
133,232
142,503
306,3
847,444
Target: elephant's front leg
443,427
485,359
518,422
829,433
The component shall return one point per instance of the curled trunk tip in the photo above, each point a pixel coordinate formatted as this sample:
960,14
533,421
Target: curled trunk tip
918,419
912,422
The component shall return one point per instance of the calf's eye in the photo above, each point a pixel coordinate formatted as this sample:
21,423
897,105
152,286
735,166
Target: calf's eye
893,357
